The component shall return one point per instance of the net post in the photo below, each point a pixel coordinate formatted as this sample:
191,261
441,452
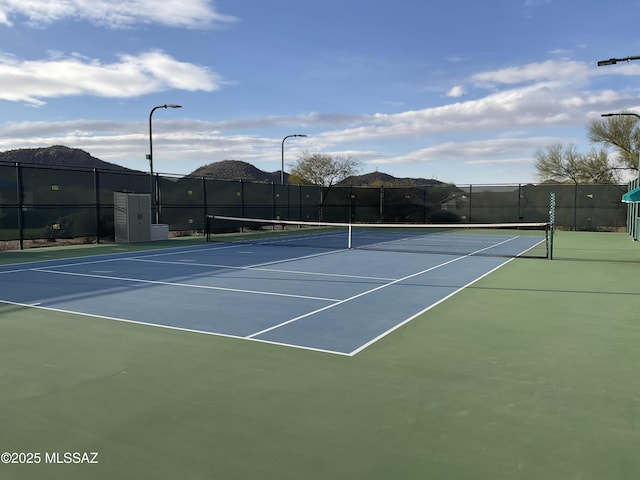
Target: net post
552,220
208,235
349,236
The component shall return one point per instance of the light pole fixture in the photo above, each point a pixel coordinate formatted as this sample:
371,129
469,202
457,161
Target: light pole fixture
282,169
613,61
150,156
621,114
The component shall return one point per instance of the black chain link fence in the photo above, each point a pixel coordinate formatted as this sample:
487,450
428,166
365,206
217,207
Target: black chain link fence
50,204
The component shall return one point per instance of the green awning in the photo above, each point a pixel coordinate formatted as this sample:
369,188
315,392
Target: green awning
632,196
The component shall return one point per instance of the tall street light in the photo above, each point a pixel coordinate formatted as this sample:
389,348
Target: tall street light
631,227
621,114
613,61
150,155
282,169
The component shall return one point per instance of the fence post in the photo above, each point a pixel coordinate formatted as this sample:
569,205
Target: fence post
96,191
242,210
158,199
352,200
469,218
205,214
273,200
19,192
520,217
299,202
424,204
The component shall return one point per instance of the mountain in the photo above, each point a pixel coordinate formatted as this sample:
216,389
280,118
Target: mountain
376,179
74,158
57,156
236,170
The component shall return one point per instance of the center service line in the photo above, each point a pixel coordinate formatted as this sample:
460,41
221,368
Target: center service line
354,297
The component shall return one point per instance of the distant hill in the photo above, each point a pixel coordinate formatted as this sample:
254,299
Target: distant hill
57,156
238,170
377,179
65,157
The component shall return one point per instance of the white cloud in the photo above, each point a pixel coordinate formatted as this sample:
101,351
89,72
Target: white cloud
33,81
114,13
502,124
531,105
541,94
456,91
551,70
500,163
479,152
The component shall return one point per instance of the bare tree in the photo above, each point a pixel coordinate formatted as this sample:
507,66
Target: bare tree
598,168
622,132
564,163
559,163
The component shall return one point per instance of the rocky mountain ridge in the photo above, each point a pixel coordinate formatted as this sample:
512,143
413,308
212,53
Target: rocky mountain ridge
59,156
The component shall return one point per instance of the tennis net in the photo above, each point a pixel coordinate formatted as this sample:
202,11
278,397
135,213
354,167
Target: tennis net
500,239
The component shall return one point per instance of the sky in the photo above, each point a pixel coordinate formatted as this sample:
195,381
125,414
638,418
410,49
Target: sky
457,90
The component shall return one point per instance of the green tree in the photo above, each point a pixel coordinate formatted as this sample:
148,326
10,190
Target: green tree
322,169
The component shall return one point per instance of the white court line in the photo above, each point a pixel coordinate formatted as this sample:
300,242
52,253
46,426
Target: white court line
184,251
367,292
143,258
362,294
426,309
172,327
260,269
63,265
157,253
272,262
98,258
187,285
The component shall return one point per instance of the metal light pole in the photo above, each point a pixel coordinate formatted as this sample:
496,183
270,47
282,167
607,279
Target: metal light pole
150,157
632,225
282,169
613,61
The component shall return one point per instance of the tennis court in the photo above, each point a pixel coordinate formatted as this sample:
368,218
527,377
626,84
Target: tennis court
328,299
529,372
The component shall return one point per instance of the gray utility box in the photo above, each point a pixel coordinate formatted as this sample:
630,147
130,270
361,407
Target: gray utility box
132,217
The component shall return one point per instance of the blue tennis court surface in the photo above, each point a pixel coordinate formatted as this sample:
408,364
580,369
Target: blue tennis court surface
337,301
